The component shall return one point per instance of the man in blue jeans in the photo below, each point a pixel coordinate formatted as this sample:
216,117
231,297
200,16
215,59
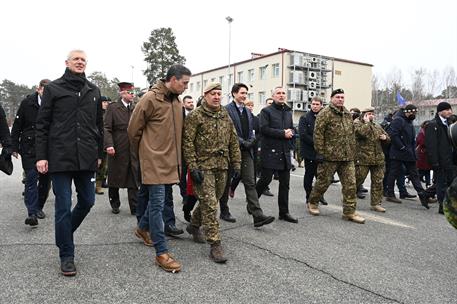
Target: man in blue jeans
69,145
155,132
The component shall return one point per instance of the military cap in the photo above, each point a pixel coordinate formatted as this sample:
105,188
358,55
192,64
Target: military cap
355,110
212,86
125,86
337,91
105,98
410,108
368,109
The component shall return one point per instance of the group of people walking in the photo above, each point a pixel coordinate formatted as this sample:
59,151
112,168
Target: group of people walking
66,131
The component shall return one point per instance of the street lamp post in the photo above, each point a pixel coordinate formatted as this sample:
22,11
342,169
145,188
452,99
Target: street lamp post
229,20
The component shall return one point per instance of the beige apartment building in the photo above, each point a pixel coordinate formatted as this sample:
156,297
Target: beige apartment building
304,76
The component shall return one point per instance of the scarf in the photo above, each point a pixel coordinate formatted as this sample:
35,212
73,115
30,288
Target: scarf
74,82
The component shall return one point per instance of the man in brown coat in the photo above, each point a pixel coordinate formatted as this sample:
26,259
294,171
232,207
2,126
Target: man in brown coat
116,142
155,133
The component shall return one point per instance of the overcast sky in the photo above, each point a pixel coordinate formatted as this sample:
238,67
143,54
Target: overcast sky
37,35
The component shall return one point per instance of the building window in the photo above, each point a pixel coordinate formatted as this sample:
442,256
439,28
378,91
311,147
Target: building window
240,77
221,80
263,72
191,87
275,70
262,98
338,72
213,80
198,87
250,96
205,83
251,75
230,80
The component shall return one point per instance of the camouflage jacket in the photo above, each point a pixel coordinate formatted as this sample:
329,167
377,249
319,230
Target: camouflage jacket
210,140
369,148
334,136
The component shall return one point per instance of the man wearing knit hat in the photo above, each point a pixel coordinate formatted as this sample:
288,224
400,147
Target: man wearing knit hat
403,153
440,152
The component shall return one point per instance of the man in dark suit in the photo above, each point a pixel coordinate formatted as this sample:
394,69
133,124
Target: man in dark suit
243,121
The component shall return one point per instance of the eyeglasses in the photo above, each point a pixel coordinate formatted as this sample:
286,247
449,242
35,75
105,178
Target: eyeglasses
131,92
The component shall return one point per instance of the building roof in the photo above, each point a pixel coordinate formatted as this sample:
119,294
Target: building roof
433,102
260,56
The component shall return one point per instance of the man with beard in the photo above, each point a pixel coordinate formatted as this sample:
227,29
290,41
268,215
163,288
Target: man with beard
403,152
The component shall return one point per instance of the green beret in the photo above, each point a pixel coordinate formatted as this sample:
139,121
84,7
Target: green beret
368,109
212,86
337,91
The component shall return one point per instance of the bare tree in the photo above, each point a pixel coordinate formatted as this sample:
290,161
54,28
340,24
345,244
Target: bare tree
449,79
418,87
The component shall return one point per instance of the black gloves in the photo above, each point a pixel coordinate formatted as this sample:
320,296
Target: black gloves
247,144
319,158
236,173
197,176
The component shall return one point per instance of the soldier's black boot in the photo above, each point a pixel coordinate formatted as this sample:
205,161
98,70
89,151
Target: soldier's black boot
440,208
424,200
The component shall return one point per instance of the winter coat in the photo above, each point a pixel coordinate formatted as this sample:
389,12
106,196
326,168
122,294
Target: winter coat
69,127
23,131
155,132
421,154
210,140
5,137
306,131
440,152
369,149
334,136
120,166
232,110
403,138
275,147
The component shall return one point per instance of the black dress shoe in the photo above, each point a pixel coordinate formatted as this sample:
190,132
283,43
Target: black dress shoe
68,268
227,217
440,209
259,221
407,195
323,201
40,214
424,201
360,195
363,189
267,192
31,220
115,210
288,218
172,230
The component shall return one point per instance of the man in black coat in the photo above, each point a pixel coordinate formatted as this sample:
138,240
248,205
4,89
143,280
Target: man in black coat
276,127
23,139
5,137
306,131
403,152
440,152
69,145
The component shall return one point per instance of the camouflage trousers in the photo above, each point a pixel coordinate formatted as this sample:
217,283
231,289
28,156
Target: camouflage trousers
102,171
346,173
377,175
208,194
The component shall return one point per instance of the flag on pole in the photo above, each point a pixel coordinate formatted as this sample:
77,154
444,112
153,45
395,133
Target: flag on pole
400,100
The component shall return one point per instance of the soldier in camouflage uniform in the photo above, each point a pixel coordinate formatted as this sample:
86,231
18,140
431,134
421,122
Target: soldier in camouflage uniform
102,171
369,155
210,147
450,204
334,142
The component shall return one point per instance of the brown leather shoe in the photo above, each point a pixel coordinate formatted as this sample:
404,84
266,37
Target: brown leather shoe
144,236
217,254
167,262
378,208
98,188
354,218
313,209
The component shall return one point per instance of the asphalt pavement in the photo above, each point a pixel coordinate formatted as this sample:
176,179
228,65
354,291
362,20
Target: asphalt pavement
407,255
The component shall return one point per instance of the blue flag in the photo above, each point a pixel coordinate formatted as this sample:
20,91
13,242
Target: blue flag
400,100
